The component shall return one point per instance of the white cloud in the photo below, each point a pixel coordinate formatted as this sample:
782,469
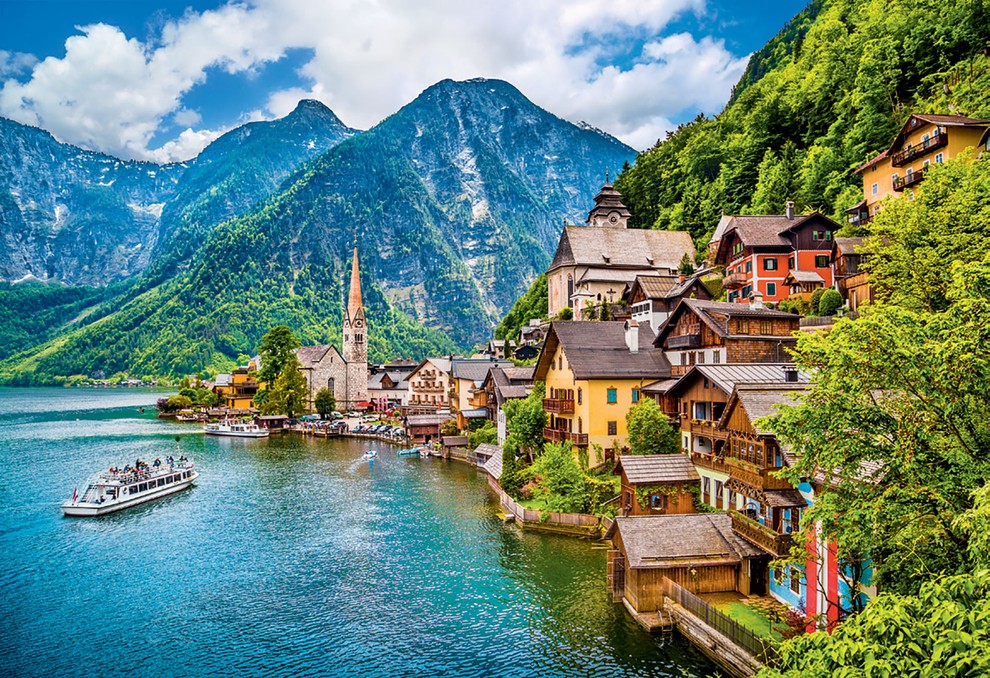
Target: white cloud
13,64
113,94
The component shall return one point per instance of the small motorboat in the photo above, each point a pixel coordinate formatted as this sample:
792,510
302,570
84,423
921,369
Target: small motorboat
410,452
370,454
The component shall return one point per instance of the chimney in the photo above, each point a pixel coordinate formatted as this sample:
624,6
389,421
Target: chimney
790,374
681,278
756,301
790,210
632,336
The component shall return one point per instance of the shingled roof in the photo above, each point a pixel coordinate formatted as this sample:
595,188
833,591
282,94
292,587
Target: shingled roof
597,350
761,400
726,376
622,248
716,314
311,355
704,539
657,469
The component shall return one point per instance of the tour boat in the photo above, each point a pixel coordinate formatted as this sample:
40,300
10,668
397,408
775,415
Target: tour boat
118,489
237,429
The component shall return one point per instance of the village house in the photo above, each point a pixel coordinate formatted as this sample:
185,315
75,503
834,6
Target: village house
593,264
533,332
423,429
705,332
429,383
237,389
852,282
593,373
652,298
700,552
657,484
924,140
467,397
502,385
759,252
388,384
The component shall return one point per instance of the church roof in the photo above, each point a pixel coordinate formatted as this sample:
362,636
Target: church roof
310,356
354,303
637,248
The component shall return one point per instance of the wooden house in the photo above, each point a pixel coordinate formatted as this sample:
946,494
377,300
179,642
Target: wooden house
425,428
706,332
502,385
699,551
652,298
666,484
759,251
852,282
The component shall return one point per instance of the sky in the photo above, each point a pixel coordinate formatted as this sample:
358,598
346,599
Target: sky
160,80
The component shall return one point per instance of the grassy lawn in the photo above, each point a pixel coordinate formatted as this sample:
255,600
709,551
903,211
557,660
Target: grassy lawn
535,504
750,618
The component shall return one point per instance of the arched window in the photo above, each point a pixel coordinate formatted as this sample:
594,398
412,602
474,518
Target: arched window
570,289
330,384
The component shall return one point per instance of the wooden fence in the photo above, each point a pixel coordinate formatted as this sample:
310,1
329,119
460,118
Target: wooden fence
763,649
534,517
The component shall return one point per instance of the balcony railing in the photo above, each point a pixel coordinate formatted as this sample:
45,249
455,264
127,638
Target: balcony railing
754,478
761,535
554,436
707,428
900,183
558,405
939,140
734,280
685,341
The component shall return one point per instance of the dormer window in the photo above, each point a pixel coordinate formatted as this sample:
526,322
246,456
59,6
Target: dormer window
605,258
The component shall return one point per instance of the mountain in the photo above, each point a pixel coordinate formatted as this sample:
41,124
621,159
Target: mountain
820,98
83,218
455,202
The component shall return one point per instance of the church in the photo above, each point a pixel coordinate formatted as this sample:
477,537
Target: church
346,375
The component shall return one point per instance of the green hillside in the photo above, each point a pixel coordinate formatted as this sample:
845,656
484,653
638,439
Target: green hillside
825,94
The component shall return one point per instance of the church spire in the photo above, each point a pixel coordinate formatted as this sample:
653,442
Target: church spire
354,304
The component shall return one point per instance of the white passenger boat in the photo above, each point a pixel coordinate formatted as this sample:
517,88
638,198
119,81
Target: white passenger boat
236,429
118,489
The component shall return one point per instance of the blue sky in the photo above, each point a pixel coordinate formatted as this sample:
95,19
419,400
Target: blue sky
159,80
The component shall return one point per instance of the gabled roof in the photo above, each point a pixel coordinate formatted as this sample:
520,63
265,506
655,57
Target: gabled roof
494,464
766,231
310,356
666,286
727,376
704,539
796,275
761,400
847,246
475,369
657,469
715,314
442,364
911,124
622,248
510,382
597,350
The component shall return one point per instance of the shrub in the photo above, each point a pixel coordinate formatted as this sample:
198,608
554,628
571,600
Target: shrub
830,302
816,297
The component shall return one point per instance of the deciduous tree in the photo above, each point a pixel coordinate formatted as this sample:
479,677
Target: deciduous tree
650,431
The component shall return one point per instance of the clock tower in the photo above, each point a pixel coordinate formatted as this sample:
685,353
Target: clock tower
355,332
609,212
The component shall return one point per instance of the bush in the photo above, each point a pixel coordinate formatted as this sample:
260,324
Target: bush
816,298
830,302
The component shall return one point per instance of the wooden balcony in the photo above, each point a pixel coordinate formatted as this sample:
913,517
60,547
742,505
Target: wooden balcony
710,429
939,140
900,183
685,341
554,436
709,461
761,535
734,281
755,478
558,406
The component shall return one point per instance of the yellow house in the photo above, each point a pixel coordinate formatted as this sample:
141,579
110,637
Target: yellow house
238,388
594,372
923,141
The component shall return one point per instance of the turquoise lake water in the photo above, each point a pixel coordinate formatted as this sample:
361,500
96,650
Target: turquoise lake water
290,557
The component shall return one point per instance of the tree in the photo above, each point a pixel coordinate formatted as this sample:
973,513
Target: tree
687,265
650,431
815,301
943,630
830,302
896,417
486,433
276,348
560,482
566,313
288,394
525,420
324,402
177,402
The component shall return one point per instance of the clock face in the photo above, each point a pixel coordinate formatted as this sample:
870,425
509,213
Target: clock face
613,218
357,323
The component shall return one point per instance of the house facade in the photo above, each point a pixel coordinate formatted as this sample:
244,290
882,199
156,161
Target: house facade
709,332
429,383
652,298
852,282
502,385
324,367
759,251
594,372
657,484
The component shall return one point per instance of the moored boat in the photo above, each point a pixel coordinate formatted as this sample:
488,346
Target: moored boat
118,489
236,429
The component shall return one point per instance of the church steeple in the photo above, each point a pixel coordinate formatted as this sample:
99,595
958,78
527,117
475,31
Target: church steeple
609,212
355,329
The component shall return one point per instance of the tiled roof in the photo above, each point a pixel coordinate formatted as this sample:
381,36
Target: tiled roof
784,498
803,277
727,375
311,355
657,469
710,313
475,370
455,441
848,245
676,541
656,286
623,275
477,413
597,350
761,400
622,247
426,419
494,464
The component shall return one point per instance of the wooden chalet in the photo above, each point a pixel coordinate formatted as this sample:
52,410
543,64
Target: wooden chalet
425,428
706,332
669,479
652,298
852,282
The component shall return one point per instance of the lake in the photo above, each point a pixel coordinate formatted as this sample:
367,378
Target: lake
290,556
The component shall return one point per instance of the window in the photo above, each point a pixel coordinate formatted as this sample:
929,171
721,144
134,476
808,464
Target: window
737,248
925,163
828,235
874,189
795,579
821,261
742,326
749,266
701,357
580,394
612,396
612,428
790,263
766,327
635,395
770,264
771,289
939,158
716,356
746,291
814,235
